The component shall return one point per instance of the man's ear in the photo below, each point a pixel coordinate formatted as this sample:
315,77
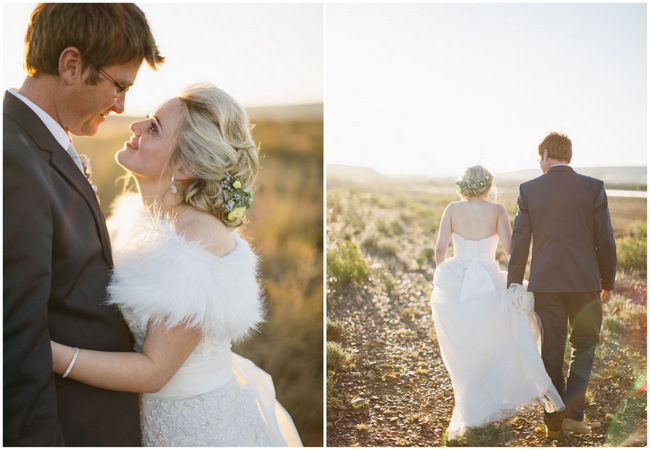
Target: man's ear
544,154
70,65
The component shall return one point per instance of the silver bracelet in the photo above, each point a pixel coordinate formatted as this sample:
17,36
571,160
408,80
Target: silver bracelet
74,359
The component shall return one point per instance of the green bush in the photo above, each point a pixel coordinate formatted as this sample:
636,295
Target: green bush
387,247
337,357
632,253
428,252
335,328
611,324
635,315
370,239
389,227
387,281
346,263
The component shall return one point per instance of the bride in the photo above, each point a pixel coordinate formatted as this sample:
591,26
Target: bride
489,337
186,283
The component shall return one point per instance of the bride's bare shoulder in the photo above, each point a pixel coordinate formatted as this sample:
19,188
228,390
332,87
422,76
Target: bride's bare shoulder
208,230
498,207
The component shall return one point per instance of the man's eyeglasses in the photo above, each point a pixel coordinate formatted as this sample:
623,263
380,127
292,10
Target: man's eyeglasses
120,89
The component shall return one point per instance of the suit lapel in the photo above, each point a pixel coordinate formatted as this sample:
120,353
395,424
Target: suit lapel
61,161
69,170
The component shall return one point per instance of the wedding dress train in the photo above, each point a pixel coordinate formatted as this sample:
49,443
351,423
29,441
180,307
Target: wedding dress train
489,338
216,398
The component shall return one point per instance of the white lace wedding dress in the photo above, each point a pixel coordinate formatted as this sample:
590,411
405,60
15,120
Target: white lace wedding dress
217,398
489,338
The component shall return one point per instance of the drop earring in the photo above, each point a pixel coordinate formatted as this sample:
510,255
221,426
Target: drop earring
173,187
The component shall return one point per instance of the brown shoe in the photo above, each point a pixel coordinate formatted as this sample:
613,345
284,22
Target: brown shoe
576,426
553,434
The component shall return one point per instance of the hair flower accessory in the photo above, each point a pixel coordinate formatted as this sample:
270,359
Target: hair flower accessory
463,185
237,200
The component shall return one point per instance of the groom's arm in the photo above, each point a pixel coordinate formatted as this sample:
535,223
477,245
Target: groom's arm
29,401
521,237
604,239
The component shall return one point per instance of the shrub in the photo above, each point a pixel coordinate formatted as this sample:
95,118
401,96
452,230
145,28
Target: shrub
616,305
491,435
631,253
428,252
635,315
387,247
407,313
337,357
389,228
334,328
370,240
611,324
639,230
346,263
387,281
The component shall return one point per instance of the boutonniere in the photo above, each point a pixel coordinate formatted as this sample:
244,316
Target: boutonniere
88,171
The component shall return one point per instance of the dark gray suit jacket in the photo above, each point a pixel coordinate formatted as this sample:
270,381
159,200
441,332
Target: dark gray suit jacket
567,217
57,262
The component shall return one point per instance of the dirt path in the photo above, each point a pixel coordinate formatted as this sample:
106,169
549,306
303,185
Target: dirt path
397,392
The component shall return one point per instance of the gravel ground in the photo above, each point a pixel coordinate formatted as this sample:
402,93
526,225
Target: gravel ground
396,391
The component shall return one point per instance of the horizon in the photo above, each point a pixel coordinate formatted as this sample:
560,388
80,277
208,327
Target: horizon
452,175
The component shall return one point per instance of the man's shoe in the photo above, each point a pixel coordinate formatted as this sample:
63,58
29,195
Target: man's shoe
576,426
553,434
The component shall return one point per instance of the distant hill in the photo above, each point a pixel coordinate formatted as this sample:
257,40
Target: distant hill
629,177
353,173
293,113
626,175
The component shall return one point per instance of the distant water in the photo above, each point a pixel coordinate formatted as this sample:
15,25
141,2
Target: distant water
627,194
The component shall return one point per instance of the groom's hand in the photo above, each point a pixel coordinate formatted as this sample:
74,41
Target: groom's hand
605,296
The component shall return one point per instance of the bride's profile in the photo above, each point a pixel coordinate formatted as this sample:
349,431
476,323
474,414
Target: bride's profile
488,336
186,282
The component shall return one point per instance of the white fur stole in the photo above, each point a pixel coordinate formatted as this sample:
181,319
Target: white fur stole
164,278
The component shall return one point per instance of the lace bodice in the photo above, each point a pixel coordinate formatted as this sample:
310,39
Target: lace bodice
484,249
208,367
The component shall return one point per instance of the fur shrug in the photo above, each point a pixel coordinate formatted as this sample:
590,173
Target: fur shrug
164,278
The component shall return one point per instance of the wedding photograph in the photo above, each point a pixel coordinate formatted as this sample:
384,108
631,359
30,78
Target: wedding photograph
163,224
486,225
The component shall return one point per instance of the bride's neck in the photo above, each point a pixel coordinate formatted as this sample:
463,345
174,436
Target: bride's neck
158,199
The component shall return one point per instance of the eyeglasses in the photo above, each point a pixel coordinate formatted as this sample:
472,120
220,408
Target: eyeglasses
120,89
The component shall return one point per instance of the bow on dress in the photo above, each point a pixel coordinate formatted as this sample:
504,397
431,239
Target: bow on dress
477,279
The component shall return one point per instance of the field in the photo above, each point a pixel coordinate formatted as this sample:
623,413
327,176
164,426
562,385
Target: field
386,383
286,230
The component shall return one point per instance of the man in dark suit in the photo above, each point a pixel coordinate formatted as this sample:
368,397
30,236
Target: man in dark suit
572,270
81,59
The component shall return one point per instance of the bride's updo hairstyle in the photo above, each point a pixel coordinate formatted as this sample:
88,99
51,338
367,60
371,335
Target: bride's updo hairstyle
475,182
213,144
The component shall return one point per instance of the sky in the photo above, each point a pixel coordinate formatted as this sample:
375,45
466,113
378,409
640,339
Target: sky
431,89
261,54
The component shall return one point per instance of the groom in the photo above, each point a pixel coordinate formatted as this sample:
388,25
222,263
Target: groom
572,270
81,59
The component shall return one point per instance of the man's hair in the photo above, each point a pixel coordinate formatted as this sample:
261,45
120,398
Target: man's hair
105,34
558,146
